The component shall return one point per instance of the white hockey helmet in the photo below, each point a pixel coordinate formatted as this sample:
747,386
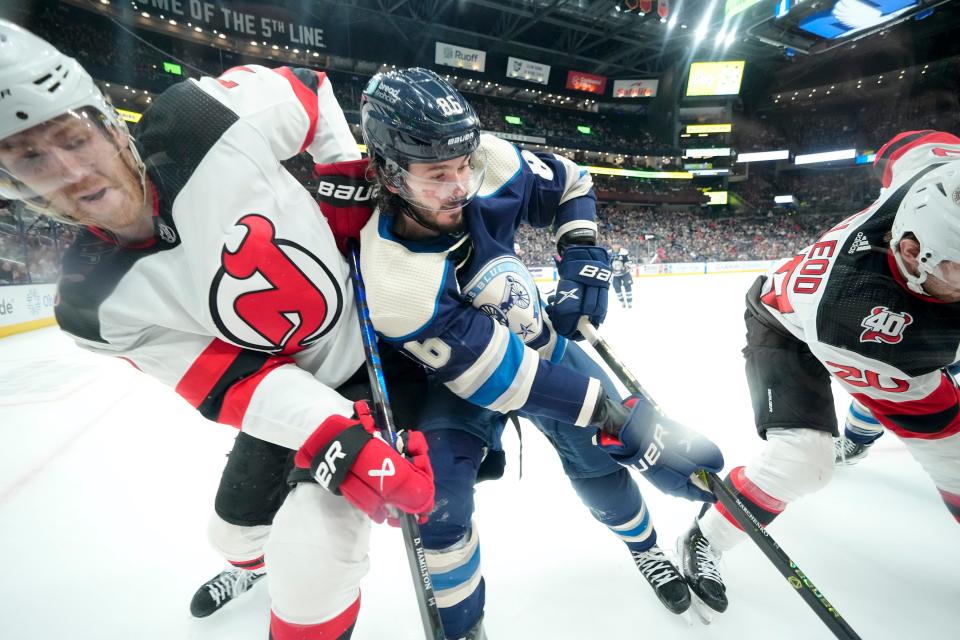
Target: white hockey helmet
931,212
38,84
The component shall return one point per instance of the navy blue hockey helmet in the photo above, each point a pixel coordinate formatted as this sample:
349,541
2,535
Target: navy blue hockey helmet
414,115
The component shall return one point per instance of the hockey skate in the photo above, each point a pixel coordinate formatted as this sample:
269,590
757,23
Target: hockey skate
663,576
221,589
699,563
848,452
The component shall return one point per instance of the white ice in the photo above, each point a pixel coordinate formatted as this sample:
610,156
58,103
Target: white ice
107,480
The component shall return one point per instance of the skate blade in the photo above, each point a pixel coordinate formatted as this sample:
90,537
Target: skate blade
700,610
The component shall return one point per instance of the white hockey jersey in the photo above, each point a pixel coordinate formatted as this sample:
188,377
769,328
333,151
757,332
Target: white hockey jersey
241,301
845,298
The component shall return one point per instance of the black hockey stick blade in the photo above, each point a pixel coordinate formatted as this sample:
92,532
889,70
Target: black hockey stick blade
797,579
416,556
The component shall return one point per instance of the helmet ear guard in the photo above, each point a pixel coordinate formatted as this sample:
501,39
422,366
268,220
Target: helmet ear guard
930,212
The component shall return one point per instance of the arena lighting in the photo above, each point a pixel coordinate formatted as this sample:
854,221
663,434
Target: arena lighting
709,128
145,14
717,198
513,119
828,156
763,156
783,199
634,173
584,129
711,152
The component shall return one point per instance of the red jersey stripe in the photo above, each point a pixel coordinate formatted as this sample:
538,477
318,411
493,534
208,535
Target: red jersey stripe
237,399
200,379
307,98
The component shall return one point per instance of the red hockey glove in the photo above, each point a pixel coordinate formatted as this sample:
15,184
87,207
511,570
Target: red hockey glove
348,457
344,198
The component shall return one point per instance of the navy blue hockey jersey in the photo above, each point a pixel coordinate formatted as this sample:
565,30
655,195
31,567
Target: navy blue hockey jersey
467,307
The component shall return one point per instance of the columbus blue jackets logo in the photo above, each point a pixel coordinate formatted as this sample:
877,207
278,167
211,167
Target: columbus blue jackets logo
271,294
504,290
884,326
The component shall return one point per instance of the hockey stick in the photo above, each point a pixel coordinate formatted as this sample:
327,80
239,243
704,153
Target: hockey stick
795,577
416,556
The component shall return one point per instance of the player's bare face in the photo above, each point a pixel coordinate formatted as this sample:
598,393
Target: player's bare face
438,189
945,285
82,171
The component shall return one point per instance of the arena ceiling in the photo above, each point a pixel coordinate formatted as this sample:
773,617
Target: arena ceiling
590,35
582,34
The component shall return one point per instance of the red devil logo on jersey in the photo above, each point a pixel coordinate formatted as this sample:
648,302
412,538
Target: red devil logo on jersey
884,325
273,295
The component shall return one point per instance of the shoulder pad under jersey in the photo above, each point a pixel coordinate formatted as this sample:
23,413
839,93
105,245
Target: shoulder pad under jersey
404,283
503,164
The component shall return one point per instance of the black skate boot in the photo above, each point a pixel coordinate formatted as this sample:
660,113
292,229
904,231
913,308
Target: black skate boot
699,563
848,452
666,581
221,589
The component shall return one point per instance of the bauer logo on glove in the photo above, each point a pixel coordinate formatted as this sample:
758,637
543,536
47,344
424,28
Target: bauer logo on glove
348,457
665,451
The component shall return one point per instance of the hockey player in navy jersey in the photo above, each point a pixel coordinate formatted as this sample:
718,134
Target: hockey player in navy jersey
874,304
205,264
444,283
622,265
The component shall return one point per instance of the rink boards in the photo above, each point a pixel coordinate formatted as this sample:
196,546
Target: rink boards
549,274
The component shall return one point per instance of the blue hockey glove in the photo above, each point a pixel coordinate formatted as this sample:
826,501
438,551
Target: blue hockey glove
582,291
664,450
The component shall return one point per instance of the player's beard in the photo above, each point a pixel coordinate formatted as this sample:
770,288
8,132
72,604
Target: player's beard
111,197
443,221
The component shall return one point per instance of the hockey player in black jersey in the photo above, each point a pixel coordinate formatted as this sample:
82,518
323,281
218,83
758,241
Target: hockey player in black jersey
874,304
622,267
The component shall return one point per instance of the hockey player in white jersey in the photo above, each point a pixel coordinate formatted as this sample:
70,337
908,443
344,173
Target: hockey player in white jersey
206,265
445,284
874,304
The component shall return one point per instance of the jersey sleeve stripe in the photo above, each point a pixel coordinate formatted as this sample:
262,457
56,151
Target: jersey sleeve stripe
196,384
468,382
589,403
519,391
221,381
237,398
305,84
503,376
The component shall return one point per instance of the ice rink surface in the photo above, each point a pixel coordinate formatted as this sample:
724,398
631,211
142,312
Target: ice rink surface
107,480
